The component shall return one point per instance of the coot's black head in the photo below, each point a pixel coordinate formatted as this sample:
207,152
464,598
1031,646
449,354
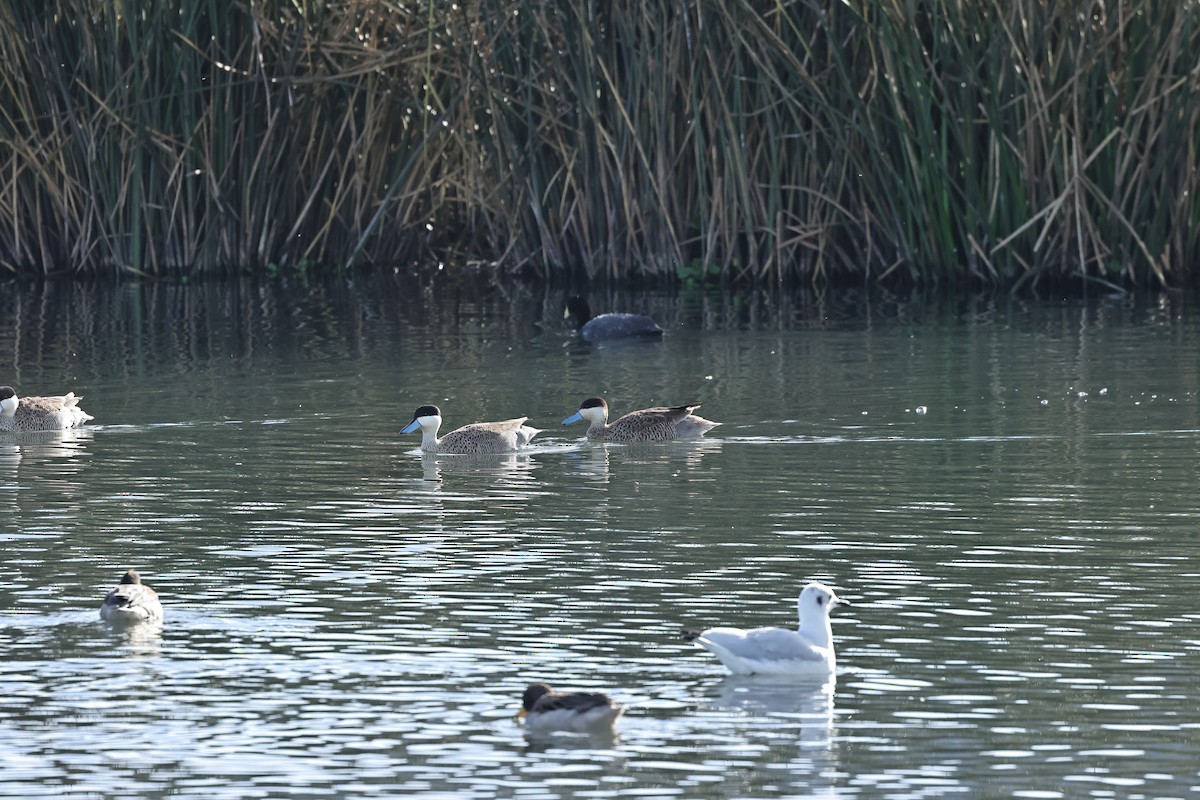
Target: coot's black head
578,310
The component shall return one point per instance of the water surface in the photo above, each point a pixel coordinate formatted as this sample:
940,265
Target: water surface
1005,490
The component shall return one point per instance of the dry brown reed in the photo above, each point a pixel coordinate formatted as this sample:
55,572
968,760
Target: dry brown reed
1004,141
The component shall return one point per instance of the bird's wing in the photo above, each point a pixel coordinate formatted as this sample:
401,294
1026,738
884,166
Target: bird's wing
48,404
499,427
672,414
773,644
572,701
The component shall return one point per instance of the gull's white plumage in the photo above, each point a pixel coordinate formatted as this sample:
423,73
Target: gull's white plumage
781,651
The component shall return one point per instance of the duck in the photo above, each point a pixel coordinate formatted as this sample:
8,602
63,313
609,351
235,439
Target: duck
546,710
780,651
40,413
647,425
608,326
480,437
131,602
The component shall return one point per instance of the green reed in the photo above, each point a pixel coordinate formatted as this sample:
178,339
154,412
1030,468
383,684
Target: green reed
893,140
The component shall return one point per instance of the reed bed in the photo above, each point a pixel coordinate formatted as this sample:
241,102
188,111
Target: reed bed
1002,141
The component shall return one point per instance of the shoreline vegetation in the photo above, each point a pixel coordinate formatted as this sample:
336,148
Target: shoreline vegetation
1000,142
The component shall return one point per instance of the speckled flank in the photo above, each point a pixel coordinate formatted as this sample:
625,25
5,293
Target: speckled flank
647,425
39,413
487,437
475,439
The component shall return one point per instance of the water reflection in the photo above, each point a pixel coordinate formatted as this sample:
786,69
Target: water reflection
810,703
32,446
594,460
689,451
512,466
591,461
142,640
591,741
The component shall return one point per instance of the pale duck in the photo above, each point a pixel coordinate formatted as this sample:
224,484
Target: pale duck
39,413
131,602
546,710
647,425
608,326
780,651
479,437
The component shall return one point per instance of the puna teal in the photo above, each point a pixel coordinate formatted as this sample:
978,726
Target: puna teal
780,651
546,710
131,602
39,413
608,326
647,425
477,438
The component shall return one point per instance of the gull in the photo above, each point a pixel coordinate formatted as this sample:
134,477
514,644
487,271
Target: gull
779,651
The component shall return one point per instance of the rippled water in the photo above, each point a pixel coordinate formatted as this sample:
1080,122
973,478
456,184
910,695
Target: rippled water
347,618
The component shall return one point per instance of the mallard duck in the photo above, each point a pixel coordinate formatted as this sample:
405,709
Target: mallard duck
546,710
132,601
479,437
608,326
39,413
647,425
779,651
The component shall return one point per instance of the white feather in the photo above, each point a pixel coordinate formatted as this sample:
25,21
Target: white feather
781,651
571,720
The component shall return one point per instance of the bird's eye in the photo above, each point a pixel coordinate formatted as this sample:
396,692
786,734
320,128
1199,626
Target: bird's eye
820,601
